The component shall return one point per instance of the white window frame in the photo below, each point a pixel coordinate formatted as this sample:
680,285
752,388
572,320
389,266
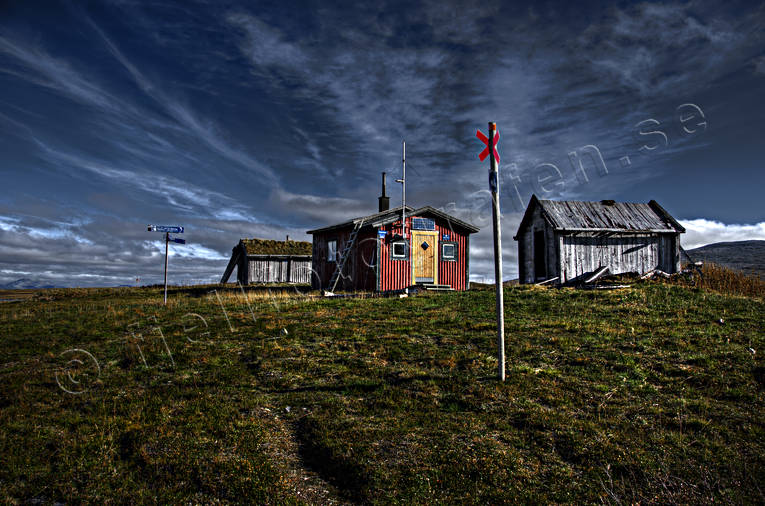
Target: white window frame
393,254
455,251
332,250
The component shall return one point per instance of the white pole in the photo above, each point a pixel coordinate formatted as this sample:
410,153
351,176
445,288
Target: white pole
403,198
167,240
403,191
494,185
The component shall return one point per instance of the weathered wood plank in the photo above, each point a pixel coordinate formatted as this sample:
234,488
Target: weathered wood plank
231,264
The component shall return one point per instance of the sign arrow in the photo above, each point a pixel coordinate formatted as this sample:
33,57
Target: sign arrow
485,140
165,229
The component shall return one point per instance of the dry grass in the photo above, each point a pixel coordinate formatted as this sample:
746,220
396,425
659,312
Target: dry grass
723,280
17,294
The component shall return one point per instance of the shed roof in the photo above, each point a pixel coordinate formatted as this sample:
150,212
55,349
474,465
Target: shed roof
393,215
271,247
603,216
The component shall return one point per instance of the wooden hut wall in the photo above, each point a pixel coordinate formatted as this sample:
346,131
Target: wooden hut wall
394,274
300,270
322,267
372,268
526,270
397,274
364,271
242,269
669,253
278,269
640,253
452,272
359,271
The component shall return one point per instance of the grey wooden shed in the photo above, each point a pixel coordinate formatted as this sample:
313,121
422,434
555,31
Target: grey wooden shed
270,261
570,240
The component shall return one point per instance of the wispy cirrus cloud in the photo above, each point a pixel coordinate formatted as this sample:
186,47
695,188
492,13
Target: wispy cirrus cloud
180,194
372,95
202,130
36,66
656,49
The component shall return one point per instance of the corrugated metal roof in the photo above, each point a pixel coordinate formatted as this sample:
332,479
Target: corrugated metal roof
272,247
606,216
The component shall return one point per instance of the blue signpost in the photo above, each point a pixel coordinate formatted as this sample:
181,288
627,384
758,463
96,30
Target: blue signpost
167,229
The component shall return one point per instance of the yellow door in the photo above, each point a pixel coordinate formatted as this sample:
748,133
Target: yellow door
425,257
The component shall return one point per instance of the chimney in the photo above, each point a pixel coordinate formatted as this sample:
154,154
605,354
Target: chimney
383,199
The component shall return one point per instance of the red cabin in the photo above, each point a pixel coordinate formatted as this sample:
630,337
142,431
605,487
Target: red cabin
371,252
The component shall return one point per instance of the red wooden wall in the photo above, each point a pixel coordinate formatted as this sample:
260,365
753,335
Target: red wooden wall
362,270
396,274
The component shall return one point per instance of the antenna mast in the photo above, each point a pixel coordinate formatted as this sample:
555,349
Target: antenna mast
403,189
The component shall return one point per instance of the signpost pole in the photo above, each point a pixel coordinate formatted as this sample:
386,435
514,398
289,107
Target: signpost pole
167,241
494,185
167,230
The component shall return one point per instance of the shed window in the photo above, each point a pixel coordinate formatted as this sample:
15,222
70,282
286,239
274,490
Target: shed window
332,250
449,251
398,250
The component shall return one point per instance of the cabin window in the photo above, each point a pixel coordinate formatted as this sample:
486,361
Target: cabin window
449,251
399,250
332,250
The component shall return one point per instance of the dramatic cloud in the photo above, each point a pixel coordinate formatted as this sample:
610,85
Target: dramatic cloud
243,120
701,232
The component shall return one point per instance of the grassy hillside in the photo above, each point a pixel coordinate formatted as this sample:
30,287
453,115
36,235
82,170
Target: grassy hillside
639,394
744,256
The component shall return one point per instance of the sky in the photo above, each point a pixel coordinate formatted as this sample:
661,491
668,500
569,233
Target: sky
267,119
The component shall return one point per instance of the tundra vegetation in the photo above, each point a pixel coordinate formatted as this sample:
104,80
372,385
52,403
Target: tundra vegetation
651,394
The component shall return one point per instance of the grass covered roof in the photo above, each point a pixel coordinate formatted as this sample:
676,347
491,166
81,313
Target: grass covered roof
272,247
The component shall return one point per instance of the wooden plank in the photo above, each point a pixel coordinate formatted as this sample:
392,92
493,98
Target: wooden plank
231,264
597,274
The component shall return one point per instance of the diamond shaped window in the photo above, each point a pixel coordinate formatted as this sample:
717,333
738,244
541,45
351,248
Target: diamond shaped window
425,245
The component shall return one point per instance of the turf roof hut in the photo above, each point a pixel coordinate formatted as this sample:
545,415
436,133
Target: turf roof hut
572,240
269,261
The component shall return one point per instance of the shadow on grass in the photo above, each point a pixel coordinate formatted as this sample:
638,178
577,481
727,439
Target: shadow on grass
359,386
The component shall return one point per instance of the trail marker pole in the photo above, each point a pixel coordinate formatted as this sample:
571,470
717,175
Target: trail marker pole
491,150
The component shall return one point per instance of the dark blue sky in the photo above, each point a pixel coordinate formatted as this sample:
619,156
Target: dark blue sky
271,118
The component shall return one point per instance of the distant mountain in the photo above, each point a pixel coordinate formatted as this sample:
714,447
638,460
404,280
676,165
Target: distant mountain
25,284
746,256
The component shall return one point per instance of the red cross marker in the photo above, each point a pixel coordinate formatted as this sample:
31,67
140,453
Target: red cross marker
485,140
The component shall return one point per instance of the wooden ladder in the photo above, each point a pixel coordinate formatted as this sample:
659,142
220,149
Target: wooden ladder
344,256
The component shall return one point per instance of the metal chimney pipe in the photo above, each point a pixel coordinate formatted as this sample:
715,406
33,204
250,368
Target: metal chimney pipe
383,200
